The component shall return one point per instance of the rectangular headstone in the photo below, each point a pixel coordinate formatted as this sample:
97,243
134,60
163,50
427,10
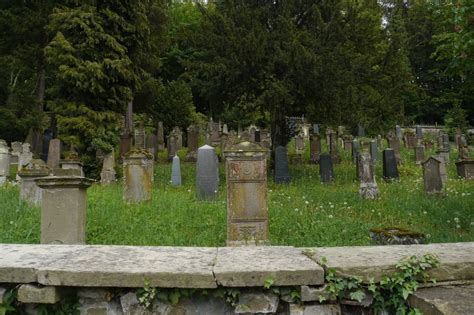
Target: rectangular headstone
419,154
54,153
374,151
432,175
419,132
390,170
315,148
207,173
282,173
326,171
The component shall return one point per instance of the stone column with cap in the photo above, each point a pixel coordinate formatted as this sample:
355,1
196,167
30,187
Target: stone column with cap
138,176
247,208
63,207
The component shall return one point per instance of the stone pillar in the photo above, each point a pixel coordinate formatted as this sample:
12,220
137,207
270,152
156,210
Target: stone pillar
107,175
138,176
207,173
63,208
176,172
29,190
4,162
54,153
193,137
282,173
368,186
315,148
125,143
247,209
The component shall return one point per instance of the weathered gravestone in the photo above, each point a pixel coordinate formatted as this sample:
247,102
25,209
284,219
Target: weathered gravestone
326,171
394,144
54,153
360,131
151,143
419,132
355,150
207,173
374,151
29,190
107,175
410,140
176,172
72,164
446,143
140,137
348,143
16,151
225,129
463,149
257,136
214,133
160,136
193,139
25,156
368,186
138,176
179,137
316,129
172,145
333,149
419,154
465,169
247,209
282,172
315,148
432,175
4,162
125,143
63,207
398,132
299,146
390,170
252,129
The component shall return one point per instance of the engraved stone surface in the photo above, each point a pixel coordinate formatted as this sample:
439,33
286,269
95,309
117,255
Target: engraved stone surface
176,172
138,176
432,172
419,154
54,153
282,172
390,169
207,173
368,186
250,266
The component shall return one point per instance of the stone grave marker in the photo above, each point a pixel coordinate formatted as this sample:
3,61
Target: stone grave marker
333,149
374,151
465,169
125,143
140,137
299,144
419,154
326,171
29,190
360,131
282,172
257,136
151,143
137,176
247,209
252,129
63,207
47,136
390,170
17,147
107,175
215,133
394,144
72,164
355,150
463,149
25,156
432,175
225,129
160,136
316,129
348,143
368,188
193,139
172,145
54,153
398,132
176,172
179,137
207,173
419,132
446,143
4,162
315,148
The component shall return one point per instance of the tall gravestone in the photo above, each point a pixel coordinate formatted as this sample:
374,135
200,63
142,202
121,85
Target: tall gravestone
176,172
432,175
326,171
29,190
172,145
247,209
54,153
207,173
4,162
360,131
179,137
315,148
390,170
398,132
282,172
419,132
151,143
140,137
193,139
160,136
419,154
25,156
17,147
333,149
374,151
368,188
299,145
138,176
316,129
63,208
394,144
355,150
107,175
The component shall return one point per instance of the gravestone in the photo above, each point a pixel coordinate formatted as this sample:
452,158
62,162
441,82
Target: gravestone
398,132
4,162
25,156
419,154
252,129
224,143
179,137
160,137
333,149
54,153
151,143
29,191
299,144
247,209
316,129
214,133
315,148
428,144
368,186
207,173
257,136
390,170
326,171
17,147
225,129
348,144
374,151
463,149
394,144
419,132
72,164
107,175
140,137
245,136
360,131
193,139
282,173
125,143
63,207
137,176
465,169
446,143
410,141
176,172
45,147
355,150
432,175
172,145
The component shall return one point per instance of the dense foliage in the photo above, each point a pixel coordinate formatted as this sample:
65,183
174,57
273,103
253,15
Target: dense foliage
68,65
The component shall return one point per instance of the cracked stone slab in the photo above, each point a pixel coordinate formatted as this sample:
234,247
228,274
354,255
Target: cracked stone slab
449,300
251,266
108,266
456,259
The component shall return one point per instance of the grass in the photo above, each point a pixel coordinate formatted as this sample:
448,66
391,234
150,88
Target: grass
303,213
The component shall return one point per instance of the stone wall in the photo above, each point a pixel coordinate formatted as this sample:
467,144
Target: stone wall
228,280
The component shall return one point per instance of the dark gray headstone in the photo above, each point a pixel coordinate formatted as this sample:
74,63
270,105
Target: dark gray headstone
419,154
360,131
390,170
325,168
176,172
432,175
374,151
315,148
257,136
44,152
419,132
282,173
207,173
446,144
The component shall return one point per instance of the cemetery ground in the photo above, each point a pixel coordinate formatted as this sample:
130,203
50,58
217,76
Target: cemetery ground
303,213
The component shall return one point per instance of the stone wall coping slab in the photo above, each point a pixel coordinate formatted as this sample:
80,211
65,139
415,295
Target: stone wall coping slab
456,259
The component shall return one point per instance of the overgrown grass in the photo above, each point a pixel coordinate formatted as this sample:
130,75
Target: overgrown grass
303,213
